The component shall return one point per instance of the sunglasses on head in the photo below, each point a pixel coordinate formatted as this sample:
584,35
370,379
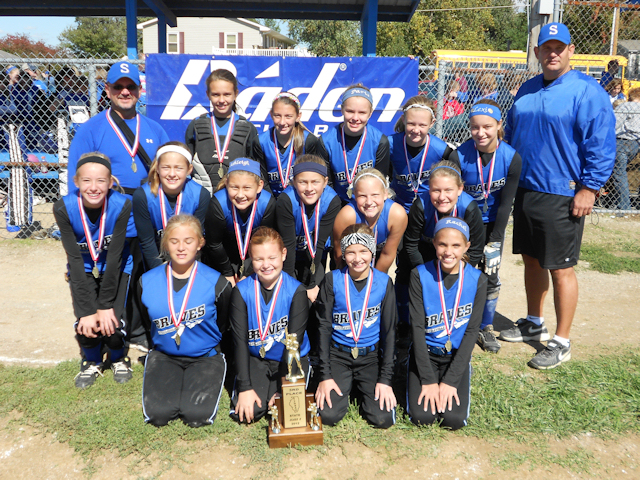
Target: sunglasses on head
130,87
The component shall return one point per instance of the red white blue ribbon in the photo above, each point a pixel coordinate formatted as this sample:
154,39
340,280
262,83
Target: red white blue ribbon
177,321
264,331
363,312
486,191
163,207
305,226
243,245
415,187
227,139
132,151
351,176
448,326
284,177
454,213
93,251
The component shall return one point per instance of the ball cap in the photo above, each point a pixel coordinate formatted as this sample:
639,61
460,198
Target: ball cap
123,70
554,31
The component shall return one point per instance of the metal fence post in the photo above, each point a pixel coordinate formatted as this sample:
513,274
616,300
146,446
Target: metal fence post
441,71
93,91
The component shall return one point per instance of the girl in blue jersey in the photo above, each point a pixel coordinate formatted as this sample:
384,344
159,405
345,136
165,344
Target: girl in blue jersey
371,205
491,172
169,192
93,223
446,198
446,302
264,306
357,317
354,145
217,138
238,207
305,216
278,147
186,303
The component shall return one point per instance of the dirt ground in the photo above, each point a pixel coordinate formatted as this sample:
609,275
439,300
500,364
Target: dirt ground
36,297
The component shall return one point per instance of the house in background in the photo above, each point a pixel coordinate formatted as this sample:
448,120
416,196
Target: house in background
220,36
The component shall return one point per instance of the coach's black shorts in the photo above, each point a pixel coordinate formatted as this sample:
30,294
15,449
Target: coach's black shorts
544,228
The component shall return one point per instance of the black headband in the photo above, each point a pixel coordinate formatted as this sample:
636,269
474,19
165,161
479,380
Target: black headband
94,159
310,167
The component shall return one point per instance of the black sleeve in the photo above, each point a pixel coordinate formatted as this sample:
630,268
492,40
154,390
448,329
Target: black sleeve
256,152
286,226
326,228
252,137
203,206
506,199
215,225
311,144
413,233
190,137
473,217
144,313
269,217
298,315
324,314
388,322
321,151
462,356
383,156
419,345
451,155
145,229
240,329
111,276
82,290
223,299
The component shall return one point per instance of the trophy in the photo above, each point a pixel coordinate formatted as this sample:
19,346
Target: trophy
294,416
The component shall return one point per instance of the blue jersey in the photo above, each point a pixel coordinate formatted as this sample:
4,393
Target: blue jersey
565,133
370,334
435,333
468,156
333,144
115,204
328,194
201,334
381,230
96,135
269,150
279,321
190,203
430,213
403,181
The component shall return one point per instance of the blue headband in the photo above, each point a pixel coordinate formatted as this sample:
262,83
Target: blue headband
444,166
245,165
452,222
10,69
486,109
310,167
357,92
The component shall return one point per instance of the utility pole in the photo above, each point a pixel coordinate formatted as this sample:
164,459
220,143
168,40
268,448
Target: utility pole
541,11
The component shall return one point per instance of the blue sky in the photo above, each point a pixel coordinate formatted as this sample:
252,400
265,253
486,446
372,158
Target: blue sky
46,29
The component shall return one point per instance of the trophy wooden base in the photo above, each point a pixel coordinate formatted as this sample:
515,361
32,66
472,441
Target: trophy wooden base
289,437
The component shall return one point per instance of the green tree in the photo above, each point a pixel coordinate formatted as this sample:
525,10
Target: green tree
98,36
509,30
272,23
328,38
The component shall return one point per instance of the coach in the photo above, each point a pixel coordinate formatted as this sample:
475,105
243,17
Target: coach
563,126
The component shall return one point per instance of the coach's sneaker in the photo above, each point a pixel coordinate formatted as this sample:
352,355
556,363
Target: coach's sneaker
488,341
89,371
122,371
525,331
552,356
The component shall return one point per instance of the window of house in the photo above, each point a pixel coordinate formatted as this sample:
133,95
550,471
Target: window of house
172,43
231,40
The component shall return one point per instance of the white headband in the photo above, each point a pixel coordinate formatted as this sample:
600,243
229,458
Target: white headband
358,239
419,105
368,174
175,149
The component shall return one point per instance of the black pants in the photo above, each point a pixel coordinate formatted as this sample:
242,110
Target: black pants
493,284
454,419
265,376
182,387
137,326
361,372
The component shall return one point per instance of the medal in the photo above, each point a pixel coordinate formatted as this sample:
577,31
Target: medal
450,325
313,269
94,251
274,300
351,176
134,167
132,151
356,331
241,270
163,207
416,186
485,208
222,151
177,322
284,176
311,246
243,244
486,191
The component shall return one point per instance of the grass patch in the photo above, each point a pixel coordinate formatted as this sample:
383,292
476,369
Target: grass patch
613,259
600,395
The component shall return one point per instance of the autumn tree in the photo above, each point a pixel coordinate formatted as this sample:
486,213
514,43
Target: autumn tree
24,45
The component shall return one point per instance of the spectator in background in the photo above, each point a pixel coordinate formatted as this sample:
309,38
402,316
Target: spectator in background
452,107
614,89
12,73
39,82
72,88
612,70
486,88
627,146
7,105
462,82
510,86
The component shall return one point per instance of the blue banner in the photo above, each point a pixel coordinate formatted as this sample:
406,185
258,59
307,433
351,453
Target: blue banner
176,90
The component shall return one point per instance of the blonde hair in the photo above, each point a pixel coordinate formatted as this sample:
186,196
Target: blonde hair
634,94
356,228
449,169
114,179
619,102
417,100
493,103
297,133
175,222
224,180
487,81
262,235
310,158
154,176
372,172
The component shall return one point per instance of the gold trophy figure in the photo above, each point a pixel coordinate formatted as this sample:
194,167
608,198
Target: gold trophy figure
313,421
292,345
275,423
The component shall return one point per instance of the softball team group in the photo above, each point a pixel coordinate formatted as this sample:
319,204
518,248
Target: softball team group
226,245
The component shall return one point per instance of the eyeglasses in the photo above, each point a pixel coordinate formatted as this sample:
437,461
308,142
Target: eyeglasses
117,87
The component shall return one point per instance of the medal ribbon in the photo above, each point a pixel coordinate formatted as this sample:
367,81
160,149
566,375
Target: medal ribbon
363,312
414,187
448,327
284,179
93,251
492,164
163,208
243,247
187,293
264,331
351,176
454,213
305,226
227,138
132,151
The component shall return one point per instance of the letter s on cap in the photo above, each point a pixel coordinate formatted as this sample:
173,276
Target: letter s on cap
124,68
553,30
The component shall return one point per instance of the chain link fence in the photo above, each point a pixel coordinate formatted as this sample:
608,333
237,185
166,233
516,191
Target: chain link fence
44,100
